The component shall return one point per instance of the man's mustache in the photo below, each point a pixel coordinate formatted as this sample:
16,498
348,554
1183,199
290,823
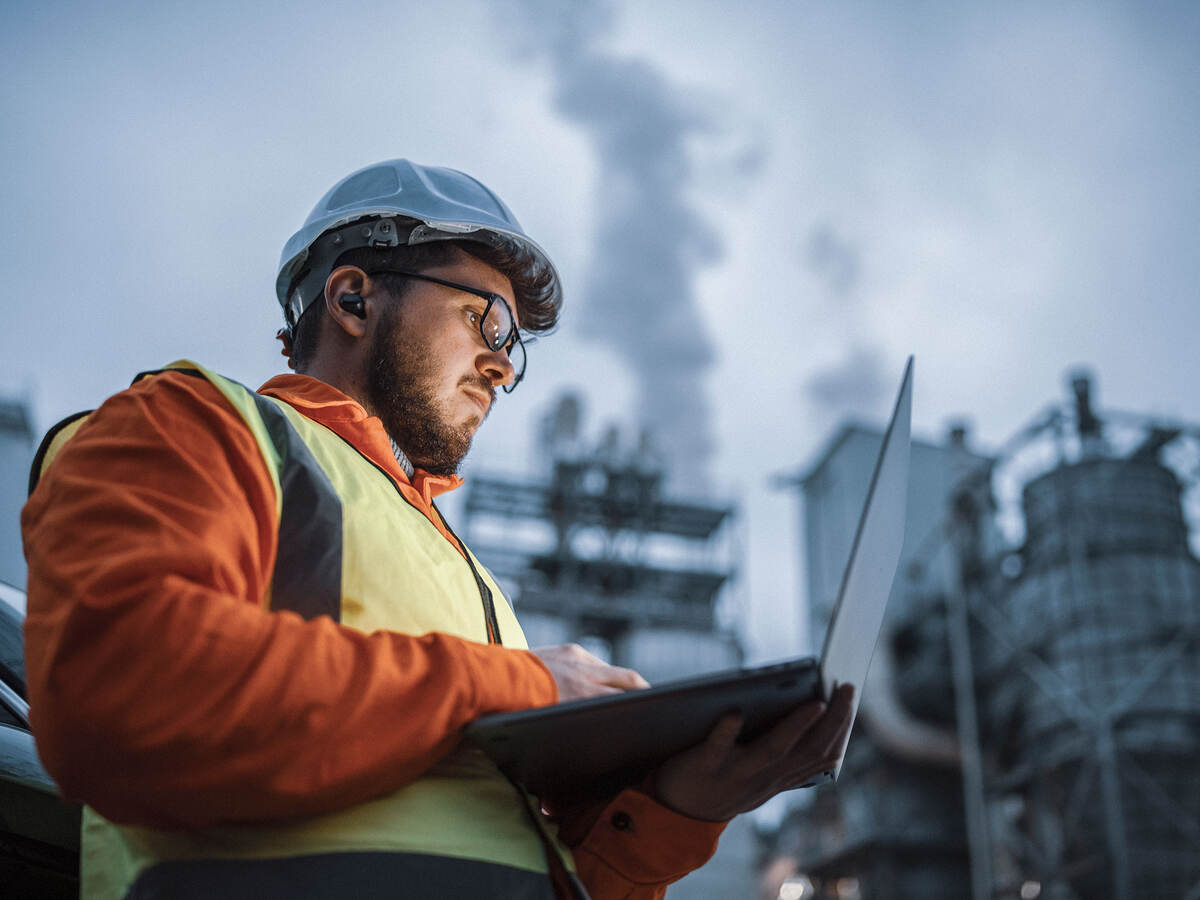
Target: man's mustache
483,383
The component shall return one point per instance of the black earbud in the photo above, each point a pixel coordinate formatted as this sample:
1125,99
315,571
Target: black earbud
353,304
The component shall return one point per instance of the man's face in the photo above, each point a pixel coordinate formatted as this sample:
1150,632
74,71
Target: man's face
430,378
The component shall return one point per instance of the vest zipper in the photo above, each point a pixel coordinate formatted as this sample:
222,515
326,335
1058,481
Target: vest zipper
485,592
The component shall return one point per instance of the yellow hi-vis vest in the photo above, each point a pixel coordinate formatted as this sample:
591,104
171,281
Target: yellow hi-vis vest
352,547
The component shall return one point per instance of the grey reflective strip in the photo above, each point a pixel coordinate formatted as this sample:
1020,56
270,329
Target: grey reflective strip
362,876
308,561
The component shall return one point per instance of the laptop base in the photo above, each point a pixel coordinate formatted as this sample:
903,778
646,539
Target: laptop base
588,750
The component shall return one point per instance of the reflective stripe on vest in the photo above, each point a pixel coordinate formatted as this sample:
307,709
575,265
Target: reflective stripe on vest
307,578
397,572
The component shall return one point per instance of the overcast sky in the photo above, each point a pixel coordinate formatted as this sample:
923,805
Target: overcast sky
759,209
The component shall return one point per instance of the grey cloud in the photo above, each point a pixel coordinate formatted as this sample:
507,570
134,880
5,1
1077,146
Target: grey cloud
857,384
833,258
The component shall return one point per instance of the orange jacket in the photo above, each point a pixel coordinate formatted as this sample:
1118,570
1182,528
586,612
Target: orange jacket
163,692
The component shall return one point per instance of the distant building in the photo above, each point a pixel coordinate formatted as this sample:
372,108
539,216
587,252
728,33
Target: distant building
16,453
1060,651
834,490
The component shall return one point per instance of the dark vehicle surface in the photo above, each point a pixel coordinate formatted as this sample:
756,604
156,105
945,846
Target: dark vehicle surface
39,834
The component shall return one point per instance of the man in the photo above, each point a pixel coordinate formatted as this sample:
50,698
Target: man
253,641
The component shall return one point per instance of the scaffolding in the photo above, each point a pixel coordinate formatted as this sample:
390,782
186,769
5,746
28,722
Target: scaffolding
594,552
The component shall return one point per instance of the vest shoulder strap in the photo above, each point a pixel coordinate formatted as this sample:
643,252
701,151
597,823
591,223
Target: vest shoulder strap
240,396
55,439
250,405
308,567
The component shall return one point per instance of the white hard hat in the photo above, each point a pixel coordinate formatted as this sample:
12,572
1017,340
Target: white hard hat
386,205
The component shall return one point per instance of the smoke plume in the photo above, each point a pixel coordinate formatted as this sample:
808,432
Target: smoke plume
650,241
856,385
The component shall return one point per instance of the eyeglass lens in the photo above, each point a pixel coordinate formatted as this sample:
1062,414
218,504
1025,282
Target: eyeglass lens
516,355
497,325
497,328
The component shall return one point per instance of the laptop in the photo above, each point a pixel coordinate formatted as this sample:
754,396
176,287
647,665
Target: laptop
587,750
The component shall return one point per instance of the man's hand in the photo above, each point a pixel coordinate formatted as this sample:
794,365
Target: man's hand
720,778
578,674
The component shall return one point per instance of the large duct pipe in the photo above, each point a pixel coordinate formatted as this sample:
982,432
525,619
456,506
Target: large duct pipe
892,726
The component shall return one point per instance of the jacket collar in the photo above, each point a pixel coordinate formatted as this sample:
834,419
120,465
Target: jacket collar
341,414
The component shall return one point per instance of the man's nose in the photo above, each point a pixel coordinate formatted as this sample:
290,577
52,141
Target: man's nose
496,367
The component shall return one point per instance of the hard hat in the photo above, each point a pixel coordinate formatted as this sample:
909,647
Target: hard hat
386,205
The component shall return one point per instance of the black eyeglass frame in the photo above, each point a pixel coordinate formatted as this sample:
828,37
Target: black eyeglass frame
514,335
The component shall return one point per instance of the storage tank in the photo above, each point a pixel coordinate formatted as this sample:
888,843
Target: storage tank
1102,716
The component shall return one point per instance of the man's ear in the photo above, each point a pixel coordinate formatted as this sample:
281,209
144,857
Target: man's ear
348,300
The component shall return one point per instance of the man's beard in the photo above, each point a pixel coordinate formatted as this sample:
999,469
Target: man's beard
400,390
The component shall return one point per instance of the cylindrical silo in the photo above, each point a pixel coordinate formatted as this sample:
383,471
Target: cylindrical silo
1100,703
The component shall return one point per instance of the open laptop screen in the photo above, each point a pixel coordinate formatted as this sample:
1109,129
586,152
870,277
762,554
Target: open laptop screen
874,555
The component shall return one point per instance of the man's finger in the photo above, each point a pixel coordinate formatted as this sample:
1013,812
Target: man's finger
786,733
830,733
812,729
843,696
798,722
841,709
626,679
722,738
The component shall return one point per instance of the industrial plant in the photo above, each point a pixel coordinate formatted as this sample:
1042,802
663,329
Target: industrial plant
1031,723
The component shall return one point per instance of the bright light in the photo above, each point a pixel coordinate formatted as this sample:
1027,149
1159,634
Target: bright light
1031,890
798,887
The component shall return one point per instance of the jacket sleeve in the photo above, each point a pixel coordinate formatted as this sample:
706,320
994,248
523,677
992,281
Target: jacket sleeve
162,691
633,847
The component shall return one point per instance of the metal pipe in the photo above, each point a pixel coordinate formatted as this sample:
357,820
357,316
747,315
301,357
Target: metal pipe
974,798
1114,824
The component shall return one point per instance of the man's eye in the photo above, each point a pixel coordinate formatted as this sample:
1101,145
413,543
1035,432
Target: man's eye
473,317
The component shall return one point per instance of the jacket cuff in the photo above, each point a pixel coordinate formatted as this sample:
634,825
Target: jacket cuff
646,843
507,680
